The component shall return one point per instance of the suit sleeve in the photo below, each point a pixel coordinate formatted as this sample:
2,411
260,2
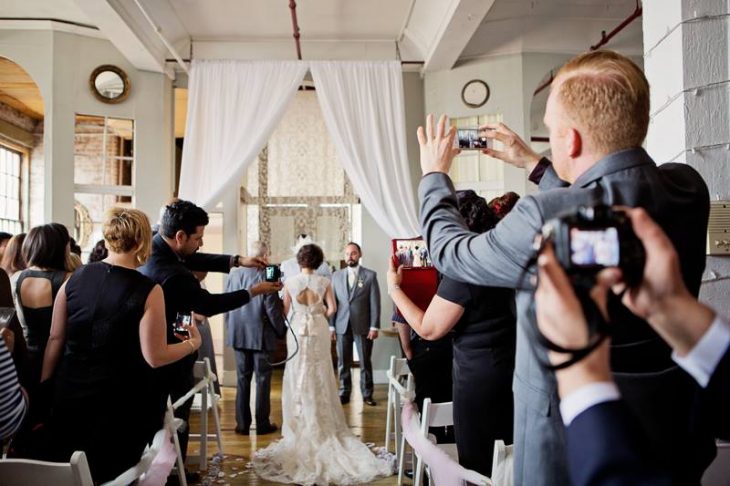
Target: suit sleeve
200,300
207,262
333,317
497,258
375,303
275,312
605,448
717,397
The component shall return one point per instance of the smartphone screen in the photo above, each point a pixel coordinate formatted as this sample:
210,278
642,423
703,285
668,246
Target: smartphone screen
181,320
470,139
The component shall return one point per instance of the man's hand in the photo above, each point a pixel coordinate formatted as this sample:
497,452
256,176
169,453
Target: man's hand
265,288
9,337
333,336
437,148
252,262
515,152
373,334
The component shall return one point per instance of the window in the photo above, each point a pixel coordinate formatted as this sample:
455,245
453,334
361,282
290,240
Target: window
10,208
103,172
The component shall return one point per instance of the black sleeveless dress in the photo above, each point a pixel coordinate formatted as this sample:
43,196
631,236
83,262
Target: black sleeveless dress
104,401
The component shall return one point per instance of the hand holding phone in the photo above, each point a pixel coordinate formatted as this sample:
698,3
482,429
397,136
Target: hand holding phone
471,139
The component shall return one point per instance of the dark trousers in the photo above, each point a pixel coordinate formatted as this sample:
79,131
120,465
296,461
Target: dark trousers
344,362
431,369
249,362
483,403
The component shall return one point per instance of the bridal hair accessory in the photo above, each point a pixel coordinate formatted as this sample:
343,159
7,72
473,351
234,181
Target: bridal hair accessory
302,240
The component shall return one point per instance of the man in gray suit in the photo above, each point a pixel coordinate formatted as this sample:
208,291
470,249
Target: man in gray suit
252,331
357,319
597,115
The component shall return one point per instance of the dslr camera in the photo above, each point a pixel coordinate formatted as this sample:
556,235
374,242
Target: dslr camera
272,273
593,238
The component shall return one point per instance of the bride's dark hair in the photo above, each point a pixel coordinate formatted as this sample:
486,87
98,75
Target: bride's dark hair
310,256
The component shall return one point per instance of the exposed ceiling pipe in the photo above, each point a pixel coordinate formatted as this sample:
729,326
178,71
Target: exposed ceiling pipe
295,28
605,38
158,31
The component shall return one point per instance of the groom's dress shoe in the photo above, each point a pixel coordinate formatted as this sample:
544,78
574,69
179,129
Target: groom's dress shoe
344,400
370,401
266,429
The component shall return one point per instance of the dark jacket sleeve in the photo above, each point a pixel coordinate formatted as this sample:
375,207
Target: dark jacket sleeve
208,262
717,397
189,293
375,303
605,448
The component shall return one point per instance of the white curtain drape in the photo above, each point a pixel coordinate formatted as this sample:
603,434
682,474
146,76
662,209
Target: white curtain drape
363,108
233,107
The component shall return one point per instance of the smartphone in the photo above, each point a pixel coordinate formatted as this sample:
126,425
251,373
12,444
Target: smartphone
470,139
181,320
272,273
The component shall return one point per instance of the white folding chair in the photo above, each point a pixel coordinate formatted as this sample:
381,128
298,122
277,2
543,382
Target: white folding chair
20,472
139,470
434,415
204,386
398,369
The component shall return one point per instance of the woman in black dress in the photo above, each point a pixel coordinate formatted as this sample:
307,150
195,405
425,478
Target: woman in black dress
108,333
484,334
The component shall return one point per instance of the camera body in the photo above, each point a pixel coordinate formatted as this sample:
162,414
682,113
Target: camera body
593,238
272,273
470,139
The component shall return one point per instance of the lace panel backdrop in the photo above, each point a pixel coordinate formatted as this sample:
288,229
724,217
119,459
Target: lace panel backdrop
297,186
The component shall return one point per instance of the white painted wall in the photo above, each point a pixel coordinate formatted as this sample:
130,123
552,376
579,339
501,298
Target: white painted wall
60,63
679,58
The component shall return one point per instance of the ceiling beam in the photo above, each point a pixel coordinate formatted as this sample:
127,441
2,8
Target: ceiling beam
131,36
462,18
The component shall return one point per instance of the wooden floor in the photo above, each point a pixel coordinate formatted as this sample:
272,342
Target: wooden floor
366,422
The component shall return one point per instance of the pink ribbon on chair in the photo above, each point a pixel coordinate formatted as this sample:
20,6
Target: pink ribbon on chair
161,465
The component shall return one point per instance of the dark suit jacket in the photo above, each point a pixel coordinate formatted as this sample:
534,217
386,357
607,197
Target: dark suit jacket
674,195
256,325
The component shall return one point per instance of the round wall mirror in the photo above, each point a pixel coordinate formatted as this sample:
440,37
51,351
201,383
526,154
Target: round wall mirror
109,84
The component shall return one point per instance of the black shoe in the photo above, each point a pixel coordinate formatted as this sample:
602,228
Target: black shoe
266,429
344,400
370,401
408,473
242,430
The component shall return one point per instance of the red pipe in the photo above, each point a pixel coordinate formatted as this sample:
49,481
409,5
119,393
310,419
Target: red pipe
605,38
295,28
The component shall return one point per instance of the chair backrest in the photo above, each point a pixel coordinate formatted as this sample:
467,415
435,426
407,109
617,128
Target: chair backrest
398,367
22,472
436,414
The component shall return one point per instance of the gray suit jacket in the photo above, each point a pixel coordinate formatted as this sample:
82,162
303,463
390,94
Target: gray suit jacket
256,324
361,307
676,197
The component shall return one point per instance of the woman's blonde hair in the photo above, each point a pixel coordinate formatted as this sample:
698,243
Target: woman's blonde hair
128,230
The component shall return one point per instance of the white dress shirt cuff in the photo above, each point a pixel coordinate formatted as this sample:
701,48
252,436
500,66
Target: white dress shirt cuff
585,397
332,328
374,328
702,360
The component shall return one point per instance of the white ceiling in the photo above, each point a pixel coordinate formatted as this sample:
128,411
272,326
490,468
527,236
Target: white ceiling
437,32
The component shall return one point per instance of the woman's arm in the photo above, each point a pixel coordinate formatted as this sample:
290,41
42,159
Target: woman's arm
440,317
329,298
57,338
153,335
287,301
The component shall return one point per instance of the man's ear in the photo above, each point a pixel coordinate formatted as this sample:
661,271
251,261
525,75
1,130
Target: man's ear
574,142
181,237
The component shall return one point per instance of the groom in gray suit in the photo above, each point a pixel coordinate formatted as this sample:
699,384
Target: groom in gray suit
597,115
357,319
252,331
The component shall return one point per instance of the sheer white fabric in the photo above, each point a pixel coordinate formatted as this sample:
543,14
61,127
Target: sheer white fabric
363,108
233,107
317,447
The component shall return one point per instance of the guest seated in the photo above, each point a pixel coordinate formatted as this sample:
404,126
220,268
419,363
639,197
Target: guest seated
46,250
108,332
13,401
483,321
605,444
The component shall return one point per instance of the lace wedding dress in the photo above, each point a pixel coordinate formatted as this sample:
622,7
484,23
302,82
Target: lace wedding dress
317,447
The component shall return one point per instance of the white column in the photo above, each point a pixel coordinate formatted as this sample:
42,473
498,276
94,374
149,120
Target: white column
686,63
232,246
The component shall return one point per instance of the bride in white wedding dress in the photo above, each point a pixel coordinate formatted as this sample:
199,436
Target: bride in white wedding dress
316,447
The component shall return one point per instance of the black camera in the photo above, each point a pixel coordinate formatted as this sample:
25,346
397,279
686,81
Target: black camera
272,273
593,238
